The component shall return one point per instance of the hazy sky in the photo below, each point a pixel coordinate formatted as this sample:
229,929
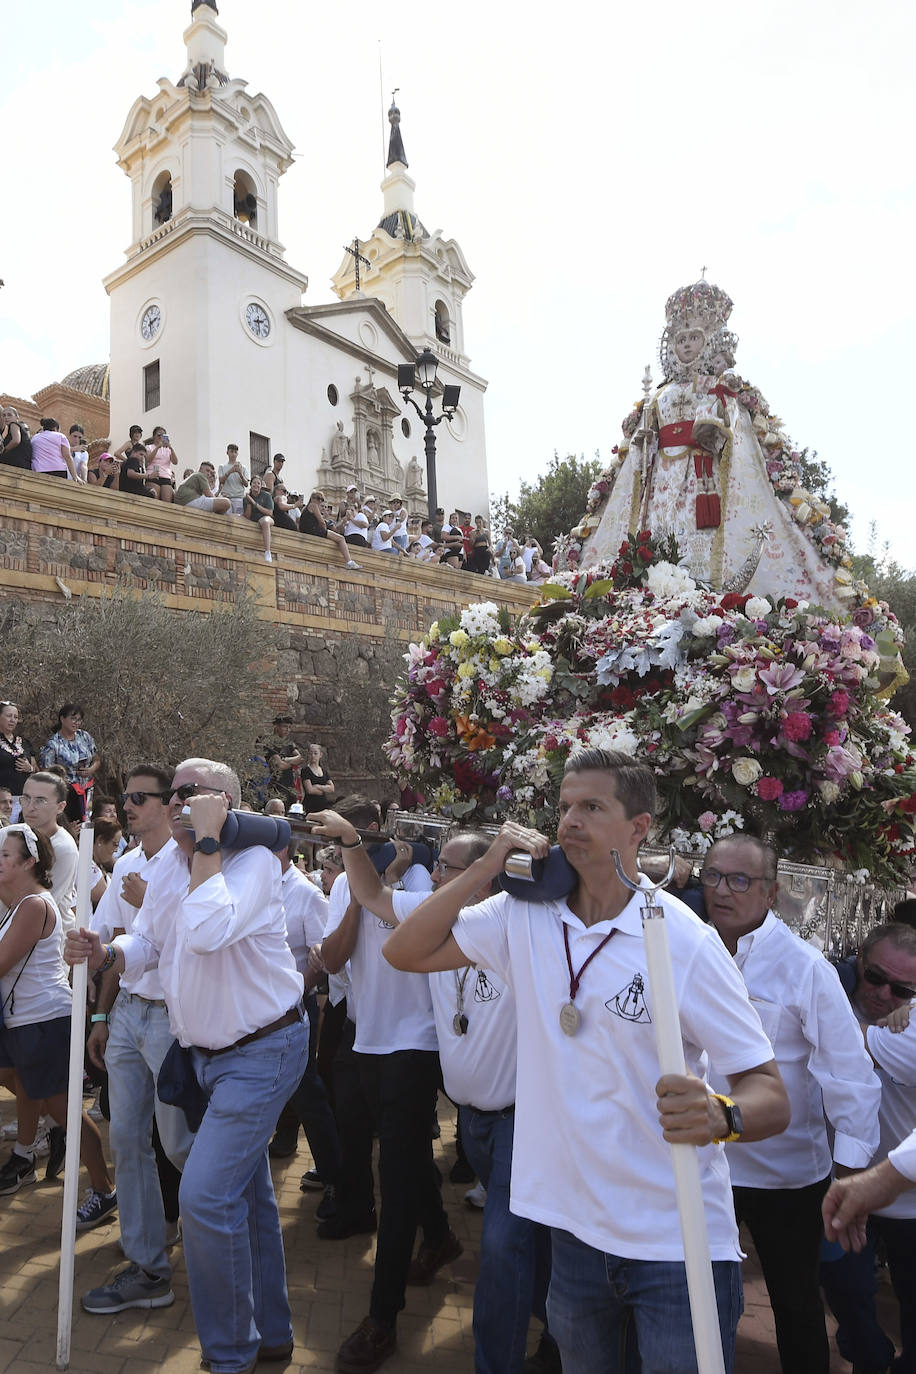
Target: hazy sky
589,160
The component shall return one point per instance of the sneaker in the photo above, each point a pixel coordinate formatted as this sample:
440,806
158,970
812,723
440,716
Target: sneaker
354,567
327,1207
96,1207
461,1172
369,1347
310,1182
428,1261
546,1359
476,1197
133,1287
268,558
339,1228
57,1152
17,1170
41,1145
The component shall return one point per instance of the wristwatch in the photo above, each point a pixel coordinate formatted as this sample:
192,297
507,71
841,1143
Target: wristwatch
208,845
733,1120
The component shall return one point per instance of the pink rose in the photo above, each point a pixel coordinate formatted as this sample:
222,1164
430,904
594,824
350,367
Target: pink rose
769,789
707,820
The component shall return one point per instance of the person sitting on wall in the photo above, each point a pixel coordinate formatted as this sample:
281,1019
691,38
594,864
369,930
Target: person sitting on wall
132,476
196,492
312,521
259,506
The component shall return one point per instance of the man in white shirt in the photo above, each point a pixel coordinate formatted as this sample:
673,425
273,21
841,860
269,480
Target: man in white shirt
851,1201
593,1113
476,1026
213,924
129,1038
233,480
881,982
779,1184
397,1056
43,800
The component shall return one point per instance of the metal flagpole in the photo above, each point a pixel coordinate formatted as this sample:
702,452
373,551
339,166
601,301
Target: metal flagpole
700,1287
74,1107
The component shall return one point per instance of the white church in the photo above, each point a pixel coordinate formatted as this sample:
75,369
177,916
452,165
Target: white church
209,333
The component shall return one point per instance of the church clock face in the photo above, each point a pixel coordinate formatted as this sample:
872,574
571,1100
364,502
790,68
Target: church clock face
150,322
257,320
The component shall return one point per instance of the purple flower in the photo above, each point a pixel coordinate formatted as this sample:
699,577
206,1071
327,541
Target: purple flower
792,801
726,633
863,617
504,794
780,677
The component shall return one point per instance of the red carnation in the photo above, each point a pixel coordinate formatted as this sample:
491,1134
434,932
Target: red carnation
734,601
790,603
769,789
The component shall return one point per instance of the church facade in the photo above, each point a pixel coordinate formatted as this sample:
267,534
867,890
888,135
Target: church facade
210,335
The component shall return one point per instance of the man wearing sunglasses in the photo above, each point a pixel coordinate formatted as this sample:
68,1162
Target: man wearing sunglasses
879,980
779,1184
129,1038
212,922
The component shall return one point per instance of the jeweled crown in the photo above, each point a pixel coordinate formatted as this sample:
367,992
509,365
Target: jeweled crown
700,306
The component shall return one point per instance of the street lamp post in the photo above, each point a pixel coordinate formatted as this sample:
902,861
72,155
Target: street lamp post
425,367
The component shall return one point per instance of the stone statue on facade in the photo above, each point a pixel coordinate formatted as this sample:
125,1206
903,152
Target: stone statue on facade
341,448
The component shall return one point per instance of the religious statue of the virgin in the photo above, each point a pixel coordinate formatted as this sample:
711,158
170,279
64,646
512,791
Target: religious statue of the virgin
703,459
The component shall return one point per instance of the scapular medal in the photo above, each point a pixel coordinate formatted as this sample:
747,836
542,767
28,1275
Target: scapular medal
570,1016
459,1020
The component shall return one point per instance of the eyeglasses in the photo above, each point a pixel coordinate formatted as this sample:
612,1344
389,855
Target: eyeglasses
189,789
138,798
444,867
737,882
880,980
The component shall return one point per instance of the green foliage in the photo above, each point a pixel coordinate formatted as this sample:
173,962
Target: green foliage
155,684
367,671
889,582
552,506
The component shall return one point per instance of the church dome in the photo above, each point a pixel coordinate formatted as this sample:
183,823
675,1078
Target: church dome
93,380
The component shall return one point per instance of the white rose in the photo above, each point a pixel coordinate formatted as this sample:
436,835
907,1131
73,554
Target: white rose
746,771
757,608
707,627
830,791
744,679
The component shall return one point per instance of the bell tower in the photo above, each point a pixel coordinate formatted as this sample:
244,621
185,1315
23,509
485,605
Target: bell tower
198,306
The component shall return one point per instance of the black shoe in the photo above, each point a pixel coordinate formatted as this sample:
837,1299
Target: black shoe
284,1144
461,1172
428,1261
310,1182
327,1207
369,1347
340,1227
546,1359
17,1170
57,1152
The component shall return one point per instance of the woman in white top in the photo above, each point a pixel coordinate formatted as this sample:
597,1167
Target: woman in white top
36,999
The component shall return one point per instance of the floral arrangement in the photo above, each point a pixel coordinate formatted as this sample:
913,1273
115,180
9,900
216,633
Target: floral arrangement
753,712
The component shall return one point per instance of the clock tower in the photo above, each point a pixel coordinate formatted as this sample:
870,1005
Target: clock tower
198,307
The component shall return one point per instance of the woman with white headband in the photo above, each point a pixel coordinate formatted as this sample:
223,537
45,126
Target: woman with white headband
35,1001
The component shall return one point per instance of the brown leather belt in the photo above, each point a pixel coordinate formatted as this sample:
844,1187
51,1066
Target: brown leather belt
294,1014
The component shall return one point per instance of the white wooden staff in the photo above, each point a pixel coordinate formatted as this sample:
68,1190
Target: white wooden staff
701,1290
74,1107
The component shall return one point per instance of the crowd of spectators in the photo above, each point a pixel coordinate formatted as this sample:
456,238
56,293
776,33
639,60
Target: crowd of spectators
150,466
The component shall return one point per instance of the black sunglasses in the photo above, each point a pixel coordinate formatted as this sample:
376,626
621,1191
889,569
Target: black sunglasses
880,980
138,798
191,789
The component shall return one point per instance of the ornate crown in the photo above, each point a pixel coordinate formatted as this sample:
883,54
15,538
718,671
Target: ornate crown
700,306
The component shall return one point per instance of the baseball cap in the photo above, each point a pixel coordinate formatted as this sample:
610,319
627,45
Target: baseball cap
352,487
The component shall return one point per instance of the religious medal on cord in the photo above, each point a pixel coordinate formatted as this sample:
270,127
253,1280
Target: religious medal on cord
459,1020
570,1016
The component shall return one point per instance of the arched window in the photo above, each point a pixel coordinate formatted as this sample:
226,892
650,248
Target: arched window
244,199
443,328
162,199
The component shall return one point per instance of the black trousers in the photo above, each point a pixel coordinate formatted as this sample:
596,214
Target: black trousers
355,1130
786,1227
400,1089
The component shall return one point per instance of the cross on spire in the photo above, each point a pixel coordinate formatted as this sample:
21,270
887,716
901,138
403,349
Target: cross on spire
353,250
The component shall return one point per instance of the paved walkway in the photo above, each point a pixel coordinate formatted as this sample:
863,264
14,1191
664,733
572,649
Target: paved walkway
328,1281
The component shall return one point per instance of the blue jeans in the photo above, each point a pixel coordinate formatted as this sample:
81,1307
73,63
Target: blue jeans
139,1036
232,1240
601,1306
514,1252
850,1287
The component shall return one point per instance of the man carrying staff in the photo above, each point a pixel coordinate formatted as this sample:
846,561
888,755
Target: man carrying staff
590,1156
212,922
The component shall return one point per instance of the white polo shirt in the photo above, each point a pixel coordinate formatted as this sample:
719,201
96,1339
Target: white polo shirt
818,1046
393,1010
478,1068
114,913
63,876
589,1156
895,1056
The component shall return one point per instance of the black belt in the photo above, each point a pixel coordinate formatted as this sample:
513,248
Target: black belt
294,1014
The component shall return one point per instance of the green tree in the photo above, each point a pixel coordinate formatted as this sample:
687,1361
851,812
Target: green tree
552,506
818,478
890,582
155,684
